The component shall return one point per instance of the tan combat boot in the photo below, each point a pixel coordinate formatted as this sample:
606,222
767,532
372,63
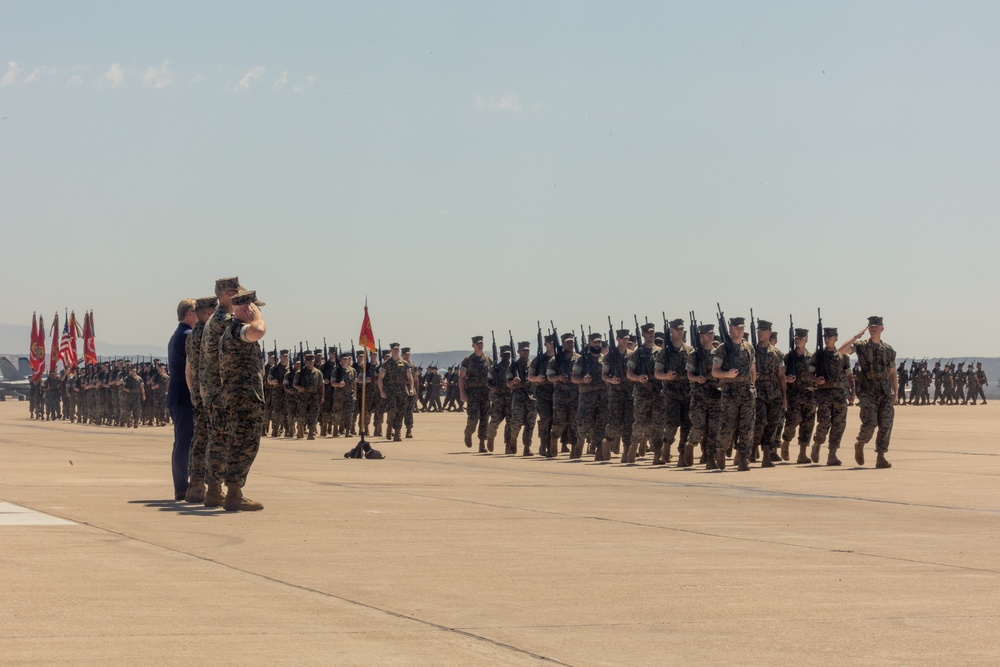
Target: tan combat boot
831,458
784,450
527,450
765,459
880,461
689,455
195,491
667,457
814,455
237,502
859,453
741,462
468,438
803,457
720,459
489,444
633,451
214,496
606,450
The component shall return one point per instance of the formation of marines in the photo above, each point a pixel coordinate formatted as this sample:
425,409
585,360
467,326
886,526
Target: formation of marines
953,384
111,393
729,393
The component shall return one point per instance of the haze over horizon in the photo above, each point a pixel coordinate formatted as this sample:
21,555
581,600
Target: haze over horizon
470,167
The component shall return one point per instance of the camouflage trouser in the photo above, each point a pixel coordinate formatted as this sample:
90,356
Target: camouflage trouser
478,409
647,410
411,405
246,417
592,420
377,407
277,416
972,393
801,414
620,415
499,412
326,410
309,405
217,444
343,411
199,442
831,416
937,390
705,409
768,415
543,406
291,414
960,392
676,415
737,410
565,408
876,411
395,406
268,407
522,413
133,409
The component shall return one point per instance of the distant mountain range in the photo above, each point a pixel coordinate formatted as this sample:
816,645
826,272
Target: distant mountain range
15,339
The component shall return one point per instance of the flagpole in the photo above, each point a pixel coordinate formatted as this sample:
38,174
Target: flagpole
364,377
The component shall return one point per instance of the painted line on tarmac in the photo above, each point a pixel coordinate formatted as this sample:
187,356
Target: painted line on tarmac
15,515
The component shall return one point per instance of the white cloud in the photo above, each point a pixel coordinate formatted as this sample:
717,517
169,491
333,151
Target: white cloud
506,102
75,81
39,72
158,77
301,88
10,77
115,75
249,78
281,82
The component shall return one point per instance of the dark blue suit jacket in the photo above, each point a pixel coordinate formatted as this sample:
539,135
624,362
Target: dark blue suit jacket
177,391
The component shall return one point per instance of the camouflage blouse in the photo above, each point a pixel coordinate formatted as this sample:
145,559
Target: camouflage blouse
192,347
769,363
210,375
240,365
589,364
477,370
835,365
801,366
878,363
744,357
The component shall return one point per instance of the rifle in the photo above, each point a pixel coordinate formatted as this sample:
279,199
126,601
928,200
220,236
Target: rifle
513,350
354,355
614,356
753,331
668,344
496,357
638,332
727,340
302,355
326,355
789,362
541,346
699,353
821,369
277,359
576,343
557,348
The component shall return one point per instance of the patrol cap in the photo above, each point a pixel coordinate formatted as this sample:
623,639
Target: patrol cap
318,352
404,350
331,349
345,355
550,339
763,325
245,298
283,352
631,338
270,353
706,329
206,302
677,324
477,339
622,333
801,333
505,349
874,320
227,283
658,335
595,336
432,367
393,345
829,331
647,327
310,356
717,338
524,345
737,321
566,337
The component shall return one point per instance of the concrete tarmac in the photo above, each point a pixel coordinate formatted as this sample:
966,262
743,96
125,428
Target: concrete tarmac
439,555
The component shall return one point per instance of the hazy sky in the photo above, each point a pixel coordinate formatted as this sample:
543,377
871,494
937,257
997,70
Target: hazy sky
472,166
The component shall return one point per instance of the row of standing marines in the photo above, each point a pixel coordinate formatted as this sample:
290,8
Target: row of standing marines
953,385
727,394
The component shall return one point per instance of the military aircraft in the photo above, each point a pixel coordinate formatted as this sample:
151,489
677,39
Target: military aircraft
14,382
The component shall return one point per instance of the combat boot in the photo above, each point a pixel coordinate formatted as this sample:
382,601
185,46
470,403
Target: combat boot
765,459
667,457
784,450
409,433
689,455
577,450
378,431
880,461
803,457
775,456
859,453
633,450
754,454
814,455
195,491
489,444
831,458
482,446
606,451
710,463
322,430
237,502
720,459
468,439
527,451
396,438
681,458
642,450
310,437
213,496
741,462
658,455
616,446
704,457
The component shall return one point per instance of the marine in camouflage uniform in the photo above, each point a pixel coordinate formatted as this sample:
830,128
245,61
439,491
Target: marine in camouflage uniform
565,395
960,379
647,407
327,369
771,399
411,400
737,409
395,386
832,367
275,380
268,393
614,370
499,399
308,384
474,392
972,385
292,400
342,382
675,392
592,419
376,403
801,385
134,392
876,390
242,371
210,380
981,379
538,377
522,400
705,397
197,459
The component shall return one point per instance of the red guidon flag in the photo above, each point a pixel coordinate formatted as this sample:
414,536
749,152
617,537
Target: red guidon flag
89,350
37,352
366,338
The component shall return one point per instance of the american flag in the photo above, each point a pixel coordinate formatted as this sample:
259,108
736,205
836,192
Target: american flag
65,355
